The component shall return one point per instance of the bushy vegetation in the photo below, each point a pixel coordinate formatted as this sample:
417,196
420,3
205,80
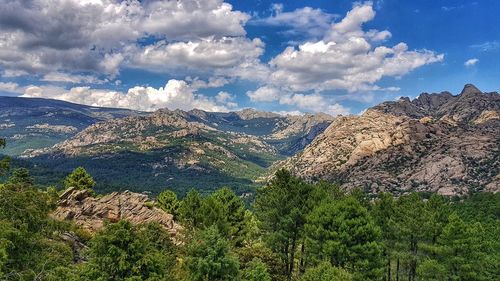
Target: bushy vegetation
293,231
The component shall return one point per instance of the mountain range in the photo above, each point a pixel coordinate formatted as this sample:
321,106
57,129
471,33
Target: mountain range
174,148
434,143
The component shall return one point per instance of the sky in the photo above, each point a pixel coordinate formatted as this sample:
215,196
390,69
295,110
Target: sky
290,57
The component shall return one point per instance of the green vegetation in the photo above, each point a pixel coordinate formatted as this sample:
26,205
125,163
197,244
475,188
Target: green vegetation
167,201
79,179
293,231
5,161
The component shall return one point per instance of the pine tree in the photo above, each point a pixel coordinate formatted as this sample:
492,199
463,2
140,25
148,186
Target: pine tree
21,176
383,212
122,251
167,201
326,272
208,257
189,209
79,179
282,207
256,270
234,212
463,251
344,234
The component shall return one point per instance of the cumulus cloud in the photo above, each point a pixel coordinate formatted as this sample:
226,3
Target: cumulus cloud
204,55
314,103
303,21
264,94
176,94
10,87
304,102
37,37
195,38
346,58
471,62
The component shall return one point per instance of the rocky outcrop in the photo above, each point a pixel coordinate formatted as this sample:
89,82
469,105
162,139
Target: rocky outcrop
91,213
437,143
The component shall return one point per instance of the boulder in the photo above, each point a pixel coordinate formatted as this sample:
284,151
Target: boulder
91,213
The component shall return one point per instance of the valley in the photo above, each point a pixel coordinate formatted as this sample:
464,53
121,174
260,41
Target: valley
435,143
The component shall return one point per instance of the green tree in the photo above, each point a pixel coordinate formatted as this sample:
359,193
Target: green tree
258,250
326,272
167,201
29,246
431,270
256,270
225,209
122,251
189,209
79,179
208,257
20,176
344,234
463,251
282,207
383,212
410,227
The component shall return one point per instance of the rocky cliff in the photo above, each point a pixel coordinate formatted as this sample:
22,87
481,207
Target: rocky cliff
436,142
91,213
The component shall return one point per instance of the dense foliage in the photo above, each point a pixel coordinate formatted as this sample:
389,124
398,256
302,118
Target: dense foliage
293,231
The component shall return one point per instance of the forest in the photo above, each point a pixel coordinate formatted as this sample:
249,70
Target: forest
293,230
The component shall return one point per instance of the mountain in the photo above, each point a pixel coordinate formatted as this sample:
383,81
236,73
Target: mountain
180,149
288,134
436,142
32,123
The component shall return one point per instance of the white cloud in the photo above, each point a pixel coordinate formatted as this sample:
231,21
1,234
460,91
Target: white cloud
226,98
471,62
487,46
10,87
68,78
36,36
9,73
304,102
289,113
303,21
177,94
314,103
346,58
188,20
264,94
205,55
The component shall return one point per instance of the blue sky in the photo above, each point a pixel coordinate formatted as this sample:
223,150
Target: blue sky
338,57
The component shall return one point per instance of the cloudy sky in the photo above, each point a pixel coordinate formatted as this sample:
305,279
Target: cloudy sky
338,57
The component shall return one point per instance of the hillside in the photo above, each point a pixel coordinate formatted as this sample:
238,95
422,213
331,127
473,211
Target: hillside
181,149
436,142
32,123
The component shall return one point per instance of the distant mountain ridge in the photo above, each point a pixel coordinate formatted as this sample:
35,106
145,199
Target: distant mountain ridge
436,142
166,147
468,106
32,123
444,143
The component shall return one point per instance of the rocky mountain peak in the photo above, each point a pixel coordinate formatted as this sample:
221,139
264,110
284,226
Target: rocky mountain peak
437,142
470,89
